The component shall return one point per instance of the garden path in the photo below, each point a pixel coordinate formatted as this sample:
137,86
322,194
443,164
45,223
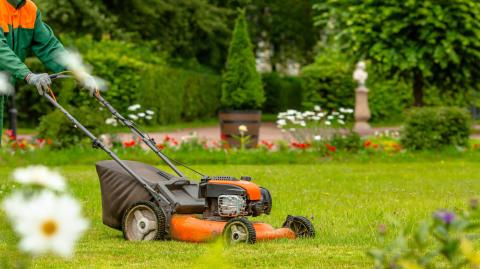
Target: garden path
268,132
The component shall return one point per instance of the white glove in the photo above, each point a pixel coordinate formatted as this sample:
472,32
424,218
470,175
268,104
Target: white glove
41,81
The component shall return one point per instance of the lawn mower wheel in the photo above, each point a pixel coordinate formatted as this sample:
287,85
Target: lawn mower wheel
302,226
143,221
239,230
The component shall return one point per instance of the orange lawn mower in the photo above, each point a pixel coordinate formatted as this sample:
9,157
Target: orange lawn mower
147,203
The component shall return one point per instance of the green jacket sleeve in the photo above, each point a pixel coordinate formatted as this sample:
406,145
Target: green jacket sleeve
46,46
9,61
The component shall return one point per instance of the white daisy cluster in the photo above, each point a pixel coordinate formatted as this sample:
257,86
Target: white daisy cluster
147,114
74,62
46,219
6,87
303,119
313,125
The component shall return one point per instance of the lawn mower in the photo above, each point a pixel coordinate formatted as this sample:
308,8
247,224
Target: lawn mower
147,203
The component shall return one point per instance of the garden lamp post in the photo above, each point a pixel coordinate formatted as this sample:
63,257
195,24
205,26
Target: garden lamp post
362,112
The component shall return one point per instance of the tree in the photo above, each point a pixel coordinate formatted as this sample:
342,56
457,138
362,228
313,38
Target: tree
287,25
242,85
188,29
430,43
79,17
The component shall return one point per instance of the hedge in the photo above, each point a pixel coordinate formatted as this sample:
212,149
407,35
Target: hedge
136,74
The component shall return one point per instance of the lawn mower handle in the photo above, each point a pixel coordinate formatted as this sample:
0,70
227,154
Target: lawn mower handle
150,142
98,144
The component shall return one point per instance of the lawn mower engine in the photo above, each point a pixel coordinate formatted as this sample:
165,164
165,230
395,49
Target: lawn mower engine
228,197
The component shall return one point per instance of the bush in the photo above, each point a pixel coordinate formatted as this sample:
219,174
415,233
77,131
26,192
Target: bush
387,99
176,94
56,127
136,74
242,85
281,93
433,128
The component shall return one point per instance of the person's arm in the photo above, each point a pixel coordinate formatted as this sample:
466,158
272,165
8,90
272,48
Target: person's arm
46,46
10,62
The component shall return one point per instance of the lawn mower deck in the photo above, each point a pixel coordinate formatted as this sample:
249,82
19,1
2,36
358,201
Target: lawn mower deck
197,212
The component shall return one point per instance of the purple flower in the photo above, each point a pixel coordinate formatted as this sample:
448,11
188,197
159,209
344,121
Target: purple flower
446,216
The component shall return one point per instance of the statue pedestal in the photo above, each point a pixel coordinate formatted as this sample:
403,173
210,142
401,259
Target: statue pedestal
362,112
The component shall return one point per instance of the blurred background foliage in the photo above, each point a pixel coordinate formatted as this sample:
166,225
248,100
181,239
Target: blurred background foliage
169,55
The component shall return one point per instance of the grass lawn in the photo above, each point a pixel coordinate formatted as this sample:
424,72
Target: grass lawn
346,201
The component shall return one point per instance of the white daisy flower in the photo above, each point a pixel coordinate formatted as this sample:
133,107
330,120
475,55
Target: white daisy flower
134,107
141,115
317,138
5,87
242,129
341,122
303,124
317,108
111,121
133,117
148,117
281,122
150,112
328,123
40,176
291,111
46,222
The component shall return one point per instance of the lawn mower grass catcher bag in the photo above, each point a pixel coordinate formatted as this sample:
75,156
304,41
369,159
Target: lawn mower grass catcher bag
120,190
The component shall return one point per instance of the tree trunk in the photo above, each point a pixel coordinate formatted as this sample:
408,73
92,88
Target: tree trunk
418,89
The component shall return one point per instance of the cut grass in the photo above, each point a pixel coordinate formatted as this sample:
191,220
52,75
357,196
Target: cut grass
347,201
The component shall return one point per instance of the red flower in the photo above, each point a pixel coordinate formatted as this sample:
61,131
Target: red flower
174,141
22,145
367,143
129,144
375,146
267,144
49,141
10,134
331,148
40,140
223,137
300,145
160,146
396,146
